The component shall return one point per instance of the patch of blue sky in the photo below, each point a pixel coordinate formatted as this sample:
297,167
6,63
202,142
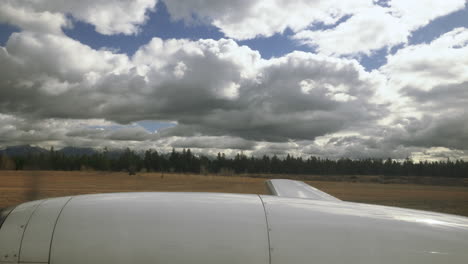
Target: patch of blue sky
153,126
378,58
375,60
5,32
425,34
110,127
283,43
276,45
149,125
383,3
440,26
323,26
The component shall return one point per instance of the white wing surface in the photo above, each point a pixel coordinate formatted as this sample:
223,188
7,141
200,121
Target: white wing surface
297,189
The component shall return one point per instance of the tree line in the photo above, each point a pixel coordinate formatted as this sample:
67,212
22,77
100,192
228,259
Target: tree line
186,162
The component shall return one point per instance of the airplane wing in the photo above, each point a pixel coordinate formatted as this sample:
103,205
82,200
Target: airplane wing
297,189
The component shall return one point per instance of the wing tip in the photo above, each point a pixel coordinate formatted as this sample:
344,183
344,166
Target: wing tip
296,189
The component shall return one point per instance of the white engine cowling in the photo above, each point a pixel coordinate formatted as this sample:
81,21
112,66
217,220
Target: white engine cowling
225,228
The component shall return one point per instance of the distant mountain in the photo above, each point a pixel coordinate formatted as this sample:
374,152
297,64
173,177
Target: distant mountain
76,151
22,150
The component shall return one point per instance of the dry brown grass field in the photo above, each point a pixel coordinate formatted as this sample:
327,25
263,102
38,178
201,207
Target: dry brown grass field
20,186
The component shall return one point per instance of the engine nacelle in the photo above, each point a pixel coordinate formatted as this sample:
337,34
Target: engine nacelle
225,228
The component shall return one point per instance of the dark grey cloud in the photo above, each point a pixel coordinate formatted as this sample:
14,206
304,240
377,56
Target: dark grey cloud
442,97
278,149
295,97
450,131
124,133
209,87
210,142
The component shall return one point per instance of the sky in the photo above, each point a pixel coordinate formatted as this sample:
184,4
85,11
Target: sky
333,79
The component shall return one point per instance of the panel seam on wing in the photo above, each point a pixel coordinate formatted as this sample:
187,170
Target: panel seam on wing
268,229
26,226
55,225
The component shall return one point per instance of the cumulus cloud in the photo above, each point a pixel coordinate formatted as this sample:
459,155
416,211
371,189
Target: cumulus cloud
29,19
371,24
212,142
93,133
280,149
356,147
275,107
441,62
439,153
223,96
108,17
450,131
16,130
376,27
49,75
364,32
432,83
120,133
247,19
234,92
419,13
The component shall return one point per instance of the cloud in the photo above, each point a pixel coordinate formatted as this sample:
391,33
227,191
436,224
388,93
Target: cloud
279,149
275,107
224,97
439,153
220,89
441,62
419,13
94,133
447,130
432,83
124,133
364,32
370,29
356,147
363,26
29,19
49,75
213,142
440,98
430,78
16,130
108,17
247,19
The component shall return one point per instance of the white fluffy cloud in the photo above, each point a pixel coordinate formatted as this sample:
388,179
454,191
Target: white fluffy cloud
377,27
418,13
442,62
371,26
30,19
108,17
247,19
364,32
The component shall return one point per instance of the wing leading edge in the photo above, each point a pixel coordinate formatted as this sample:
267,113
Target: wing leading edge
297,189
